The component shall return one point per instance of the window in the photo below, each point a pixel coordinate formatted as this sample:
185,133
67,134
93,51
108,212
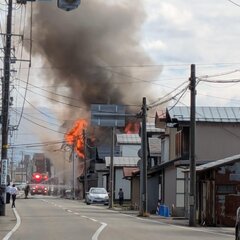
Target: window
178,144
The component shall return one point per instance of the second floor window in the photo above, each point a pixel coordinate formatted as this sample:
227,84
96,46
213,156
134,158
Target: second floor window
178,144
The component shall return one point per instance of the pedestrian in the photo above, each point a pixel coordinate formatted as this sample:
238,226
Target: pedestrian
8,193
26,190
14,192
121,196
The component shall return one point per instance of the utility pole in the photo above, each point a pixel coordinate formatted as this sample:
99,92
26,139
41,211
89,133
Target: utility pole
144,158
85,162
73,170
5,100
22,167
112,170
192,197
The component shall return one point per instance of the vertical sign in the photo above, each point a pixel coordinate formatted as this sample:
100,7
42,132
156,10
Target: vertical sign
4,172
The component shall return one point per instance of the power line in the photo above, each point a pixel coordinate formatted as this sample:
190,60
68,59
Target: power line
38,144
24,99
54,93
219,74
52,99
220,81
185,65
36,107
160,99
29,120
238,5
36,118
169,99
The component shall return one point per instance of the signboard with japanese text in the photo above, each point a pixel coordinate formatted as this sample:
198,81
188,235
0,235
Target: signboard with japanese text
4,172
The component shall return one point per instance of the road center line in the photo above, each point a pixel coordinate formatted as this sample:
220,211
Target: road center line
97,233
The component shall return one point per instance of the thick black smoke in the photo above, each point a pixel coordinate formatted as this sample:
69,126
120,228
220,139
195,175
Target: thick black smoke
81,45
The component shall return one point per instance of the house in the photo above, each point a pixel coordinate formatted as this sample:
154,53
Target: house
218,191
154,159
217,137
119,164
128,145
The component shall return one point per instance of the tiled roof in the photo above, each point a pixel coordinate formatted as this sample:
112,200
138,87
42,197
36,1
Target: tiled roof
205,114
123,161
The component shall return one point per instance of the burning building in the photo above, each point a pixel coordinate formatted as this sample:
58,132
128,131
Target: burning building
92,55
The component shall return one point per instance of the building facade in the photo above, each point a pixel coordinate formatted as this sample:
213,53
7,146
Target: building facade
217,136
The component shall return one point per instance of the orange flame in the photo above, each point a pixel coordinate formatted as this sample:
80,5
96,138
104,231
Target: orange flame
75,136
132,127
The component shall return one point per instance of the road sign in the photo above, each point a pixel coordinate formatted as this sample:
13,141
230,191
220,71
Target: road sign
4,172
108,115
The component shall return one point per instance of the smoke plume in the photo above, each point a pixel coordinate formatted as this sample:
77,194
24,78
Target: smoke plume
92,51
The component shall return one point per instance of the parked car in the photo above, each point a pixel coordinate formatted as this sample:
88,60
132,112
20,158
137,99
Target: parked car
237,225
97,195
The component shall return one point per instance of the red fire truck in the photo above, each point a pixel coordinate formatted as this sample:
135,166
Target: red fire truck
39,183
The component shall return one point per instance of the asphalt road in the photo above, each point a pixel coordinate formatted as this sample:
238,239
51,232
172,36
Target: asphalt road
60,219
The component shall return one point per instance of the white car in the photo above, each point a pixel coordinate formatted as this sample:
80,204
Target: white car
97,195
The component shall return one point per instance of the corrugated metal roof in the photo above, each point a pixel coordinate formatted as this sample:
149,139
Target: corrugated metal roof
128,139
218,163
123,161
206,114
150,127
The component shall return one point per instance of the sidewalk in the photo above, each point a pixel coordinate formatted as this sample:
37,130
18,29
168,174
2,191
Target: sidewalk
178,221
7,222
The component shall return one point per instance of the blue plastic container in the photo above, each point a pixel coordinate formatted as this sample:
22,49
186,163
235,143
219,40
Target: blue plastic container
163,211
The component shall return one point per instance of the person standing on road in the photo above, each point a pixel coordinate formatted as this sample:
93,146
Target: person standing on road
8,193
26,191
121,196
14,192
